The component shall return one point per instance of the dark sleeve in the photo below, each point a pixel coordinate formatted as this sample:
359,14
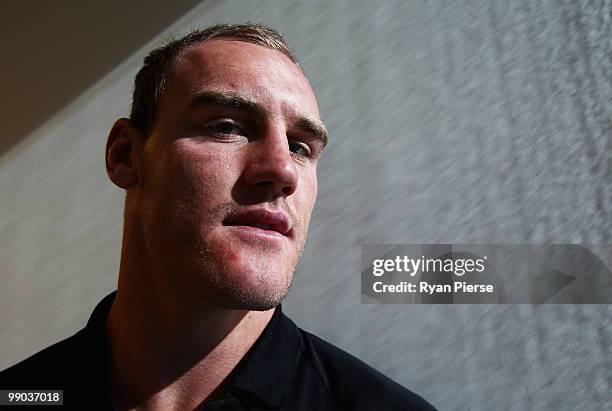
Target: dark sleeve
46,369
61,366
354,384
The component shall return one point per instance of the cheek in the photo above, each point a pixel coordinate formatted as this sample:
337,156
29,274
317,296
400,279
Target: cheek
308,195
185,184
203,175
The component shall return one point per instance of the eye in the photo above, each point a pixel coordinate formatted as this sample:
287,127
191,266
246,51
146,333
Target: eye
300,149
225,128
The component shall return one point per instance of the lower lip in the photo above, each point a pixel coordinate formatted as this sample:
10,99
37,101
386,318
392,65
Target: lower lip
255,233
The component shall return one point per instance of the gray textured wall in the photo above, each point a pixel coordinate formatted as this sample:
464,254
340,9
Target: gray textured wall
464,121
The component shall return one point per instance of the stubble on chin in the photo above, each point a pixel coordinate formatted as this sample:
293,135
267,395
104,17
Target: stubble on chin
226,273
248,284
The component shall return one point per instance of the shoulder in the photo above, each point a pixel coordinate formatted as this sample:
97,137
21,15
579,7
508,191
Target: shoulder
47,368
76,362
354,384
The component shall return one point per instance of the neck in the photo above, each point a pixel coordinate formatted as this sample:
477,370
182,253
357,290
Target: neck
168,354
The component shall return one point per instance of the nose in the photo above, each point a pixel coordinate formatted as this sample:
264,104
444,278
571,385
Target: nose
270,169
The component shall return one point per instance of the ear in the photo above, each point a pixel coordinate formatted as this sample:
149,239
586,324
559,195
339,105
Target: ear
121,146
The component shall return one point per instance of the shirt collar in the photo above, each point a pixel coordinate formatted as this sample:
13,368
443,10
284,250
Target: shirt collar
265,371
98,348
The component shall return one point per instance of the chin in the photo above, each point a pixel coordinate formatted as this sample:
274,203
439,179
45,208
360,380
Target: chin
243,275
257,290
258,286
227,272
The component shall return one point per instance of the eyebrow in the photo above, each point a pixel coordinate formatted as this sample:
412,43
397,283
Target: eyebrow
220,98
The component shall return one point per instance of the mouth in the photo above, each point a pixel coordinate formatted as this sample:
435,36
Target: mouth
260,221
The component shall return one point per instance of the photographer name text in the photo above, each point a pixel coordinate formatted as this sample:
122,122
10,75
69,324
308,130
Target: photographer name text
409,267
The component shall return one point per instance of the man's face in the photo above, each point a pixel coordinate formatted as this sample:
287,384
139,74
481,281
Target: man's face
227,178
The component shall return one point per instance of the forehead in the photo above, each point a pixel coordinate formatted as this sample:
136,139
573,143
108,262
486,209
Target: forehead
255,72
